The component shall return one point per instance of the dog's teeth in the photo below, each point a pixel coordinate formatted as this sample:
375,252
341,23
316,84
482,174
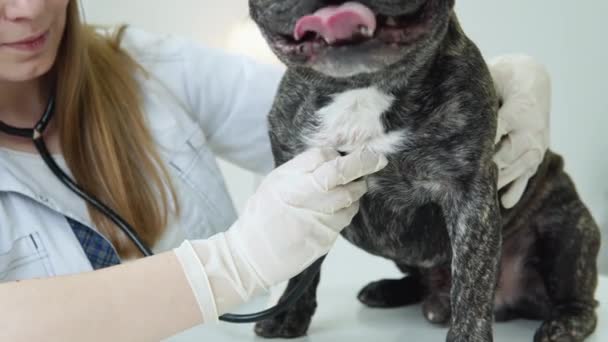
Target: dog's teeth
391,21
366,32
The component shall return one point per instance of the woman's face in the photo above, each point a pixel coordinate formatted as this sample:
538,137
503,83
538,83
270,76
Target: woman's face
30,35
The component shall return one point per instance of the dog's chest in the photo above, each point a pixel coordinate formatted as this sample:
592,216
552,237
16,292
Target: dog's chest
354,119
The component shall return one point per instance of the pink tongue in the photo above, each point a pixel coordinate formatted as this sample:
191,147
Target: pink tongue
338,22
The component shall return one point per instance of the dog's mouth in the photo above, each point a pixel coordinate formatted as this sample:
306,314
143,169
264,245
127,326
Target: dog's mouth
350,25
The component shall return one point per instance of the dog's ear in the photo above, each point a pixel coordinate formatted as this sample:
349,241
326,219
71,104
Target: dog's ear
452,3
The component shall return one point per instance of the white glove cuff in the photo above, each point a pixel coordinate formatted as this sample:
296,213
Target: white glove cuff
198,280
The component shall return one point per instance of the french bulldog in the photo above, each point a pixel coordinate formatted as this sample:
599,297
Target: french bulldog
400,77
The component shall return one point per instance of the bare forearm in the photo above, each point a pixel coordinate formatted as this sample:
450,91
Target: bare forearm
153,298
145,300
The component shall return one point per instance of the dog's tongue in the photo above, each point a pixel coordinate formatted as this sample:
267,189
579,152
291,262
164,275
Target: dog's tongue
335,23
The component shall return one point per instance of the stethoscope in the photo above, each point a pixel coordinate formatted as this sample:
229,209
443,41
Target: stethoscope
36,134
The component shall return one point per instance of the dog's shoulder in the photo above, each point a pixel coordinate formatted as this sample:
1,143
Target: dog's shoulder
460,64
460,81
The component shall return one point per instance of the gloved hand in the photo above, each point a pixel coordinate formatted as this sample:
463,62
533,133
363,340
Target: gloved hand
524,87
292,220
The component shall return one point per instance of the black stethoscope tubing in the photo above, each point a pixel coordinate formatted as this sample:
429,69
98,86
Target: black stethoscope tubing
36,134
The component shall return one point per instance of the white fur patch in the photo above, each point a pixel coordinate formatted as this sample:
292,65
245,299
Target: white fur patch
430,262
353,120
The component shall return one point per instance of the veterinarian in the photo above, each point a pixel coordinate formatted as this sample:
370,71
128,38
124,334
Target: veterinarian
138,122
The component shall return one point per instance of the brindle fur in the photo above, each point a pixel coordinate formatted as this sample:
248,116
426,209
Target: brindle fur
437,215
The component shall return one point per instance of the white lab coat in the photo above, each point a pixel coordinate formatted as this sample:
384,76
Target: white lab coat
200,104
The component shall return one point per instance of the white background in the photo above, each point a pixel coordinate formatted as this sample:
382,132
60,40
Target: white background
567,36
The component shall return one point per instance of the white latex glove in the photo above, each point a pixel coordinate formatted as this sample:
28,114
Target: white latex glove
293,219
524,87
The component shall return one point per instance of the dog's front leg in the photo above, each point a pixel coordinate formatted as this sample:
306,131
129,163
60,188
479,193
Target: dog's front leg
295,321
473,220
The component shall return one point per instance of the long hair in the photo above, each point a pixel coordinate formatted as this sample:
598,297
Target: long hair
103,133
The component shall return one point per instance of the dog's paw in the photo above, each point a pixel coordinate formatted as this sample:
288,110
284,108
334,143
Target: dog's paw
436,309
391,293
567,328
555,331
286,325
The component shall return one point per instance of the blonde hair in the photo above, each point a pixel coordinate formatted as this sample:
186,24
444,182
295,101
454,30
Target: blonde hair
103,133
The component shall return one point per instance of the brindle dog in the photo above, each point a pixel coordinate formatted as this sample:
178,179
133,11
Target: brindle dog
401,77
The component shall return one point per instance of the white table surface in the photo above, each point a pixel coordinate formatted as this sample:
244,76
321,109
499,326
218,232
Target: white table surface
340,316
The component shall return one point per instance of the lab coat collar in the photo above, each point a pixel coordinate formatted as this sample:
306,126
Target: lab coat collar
12,182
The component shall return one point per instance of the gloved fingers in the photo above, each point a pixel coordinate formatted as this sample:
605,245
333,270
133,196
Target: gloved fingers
520,168
348,194
311,159
345,216
513,147
502,130
504,156
343,170
522,112
338,198
515,191
502,77
345,196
